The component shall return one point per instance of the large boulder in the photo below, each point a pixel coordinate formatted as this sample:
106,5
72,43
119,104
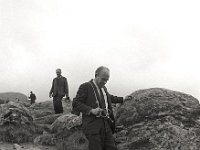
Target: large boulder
14,109
68,133
65,133
16,123
159,119
65,123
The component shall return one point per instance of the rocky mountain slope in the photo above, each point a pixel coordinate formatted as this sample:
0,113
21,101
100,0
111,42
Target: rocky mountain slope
154,119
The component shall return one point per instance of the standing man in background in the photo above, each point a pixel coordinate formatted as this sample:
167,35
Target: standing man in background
58,90
32,97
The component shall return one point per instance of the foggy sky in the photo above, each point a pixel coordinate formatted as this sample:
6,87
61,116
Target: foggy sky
145,44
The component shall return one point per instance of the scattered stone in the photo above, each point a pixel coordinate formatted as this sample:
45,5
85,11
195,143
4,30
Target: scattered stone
75,141
45,139
66,122
42,109
16,123
65,134
49,119
17,147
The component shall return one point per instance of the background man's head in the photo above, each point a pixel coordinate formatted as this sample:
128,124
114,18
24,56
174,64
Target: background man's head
58,72
102,75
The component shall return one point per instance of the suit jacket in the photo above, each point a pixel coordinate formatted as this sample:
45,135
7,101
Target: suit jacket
59,87
32,96
85,100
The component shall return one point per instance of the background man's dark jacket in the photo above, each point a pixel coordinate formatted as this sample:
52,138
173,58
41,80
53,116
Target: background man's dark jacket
85,100
59,87
32,96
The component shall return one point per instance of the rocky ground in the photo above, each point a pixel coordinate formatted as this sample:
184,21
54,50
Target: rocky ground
154,119
24,146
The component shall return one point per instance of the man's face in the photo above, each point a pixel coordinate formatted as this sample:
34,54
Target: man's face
58,72
102,78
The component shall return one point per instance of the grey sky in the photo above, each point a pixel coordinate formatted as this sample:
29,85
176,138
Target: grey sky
144,43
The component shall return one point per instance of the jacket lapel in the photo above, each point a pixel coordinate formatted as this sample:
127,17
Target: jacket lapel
95,90
108,98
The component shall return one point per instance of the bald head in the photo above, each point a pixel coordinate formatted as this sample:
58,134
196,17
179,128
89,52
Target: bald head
100,70
102,75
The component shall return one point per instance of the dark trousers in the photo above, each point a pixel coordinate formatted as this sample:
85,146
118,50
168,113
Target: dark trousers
57,103
32,101
102,141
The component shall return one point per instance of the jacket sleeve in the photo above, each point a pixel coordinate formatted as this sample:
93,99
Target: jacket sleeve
79,102
115,99
52,86
66,88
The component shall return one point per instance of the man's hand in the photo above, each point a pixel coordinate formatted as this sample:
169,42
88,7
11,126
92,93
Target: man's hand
95,111
127,98
67,99
50,95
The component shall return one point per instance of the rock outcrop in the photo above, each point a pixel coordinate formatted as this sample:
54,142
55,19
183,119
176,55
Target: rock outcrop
65,133
16,123
65,123
159,119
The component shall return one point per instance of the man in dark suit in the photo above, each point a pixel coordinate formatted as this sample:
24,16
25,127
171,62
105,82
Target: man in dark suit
58,90
94,102
32,97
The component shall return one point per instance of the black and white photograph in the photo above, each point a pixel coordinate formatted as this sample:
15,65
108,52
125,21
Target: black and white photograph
99,75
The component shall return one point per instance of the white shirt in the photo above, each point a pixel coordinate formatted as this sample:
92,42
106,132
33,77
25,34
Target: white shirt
104,94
